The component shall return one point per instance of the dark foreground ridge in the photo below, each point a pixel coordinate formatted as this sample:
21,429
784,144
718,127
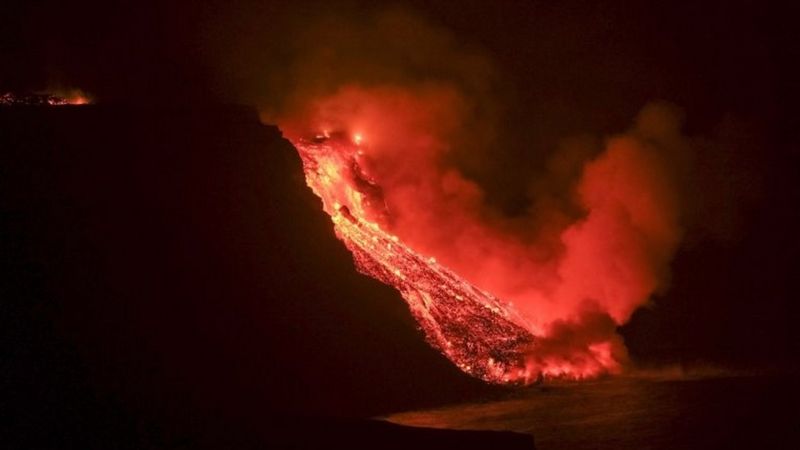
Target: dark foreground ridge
169,281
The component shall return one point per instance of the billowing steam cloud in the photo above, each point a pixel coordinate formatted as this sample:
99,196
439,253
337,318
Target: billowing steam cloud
602,224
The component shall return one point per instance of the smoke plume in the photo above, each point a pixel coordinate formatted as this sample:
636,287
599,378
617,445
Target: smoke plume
602,221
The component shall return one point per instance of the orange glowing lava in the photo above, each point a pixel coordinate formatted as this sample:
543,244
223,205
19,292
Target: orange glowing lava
481,334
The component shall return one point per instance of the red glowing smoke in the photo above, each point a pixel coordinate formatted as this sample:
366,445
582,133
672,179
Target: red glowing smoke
573,268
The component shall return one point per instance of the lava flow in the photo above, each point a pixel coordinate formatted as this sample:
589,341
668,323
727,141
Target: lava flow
481,334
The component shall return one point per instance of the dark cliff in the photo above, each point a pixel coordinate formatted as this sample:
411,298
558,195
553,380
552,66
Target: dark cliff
168,279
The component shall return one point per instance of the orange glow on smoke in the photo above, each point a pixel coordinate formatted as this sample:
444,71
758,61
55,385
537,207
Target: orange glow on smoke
503,305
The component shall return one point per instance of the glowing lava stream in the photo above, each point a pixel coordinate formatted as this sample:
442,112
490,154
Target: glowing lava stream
481,334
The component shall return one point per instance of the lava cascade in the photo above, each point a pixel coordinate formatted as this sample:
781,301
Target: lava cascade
478,332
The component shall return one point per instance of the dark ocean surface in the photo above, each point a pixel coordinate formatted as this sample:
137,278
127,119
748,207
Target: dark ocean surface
637,413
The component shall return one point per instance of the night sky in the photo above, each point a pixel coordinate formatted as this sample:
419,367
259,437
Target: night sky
167,275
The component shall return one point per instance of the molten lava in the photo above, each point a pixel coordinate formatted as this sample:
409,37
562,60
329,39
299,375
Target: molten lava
481,334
